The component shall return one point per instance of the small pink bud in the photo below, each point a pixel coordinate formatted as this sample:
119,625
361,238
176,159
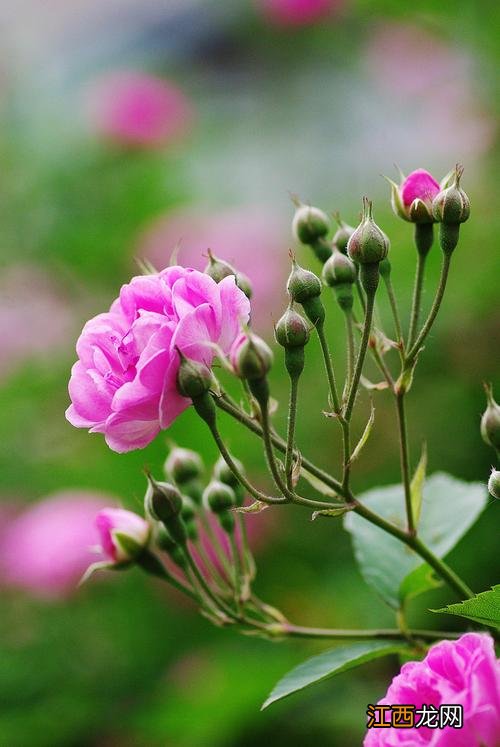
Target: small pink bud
412,198
123,534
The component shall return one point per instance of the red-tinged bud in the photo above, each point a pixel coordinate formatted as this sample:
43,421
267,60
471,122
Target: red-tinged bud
368,244
292,330
124,535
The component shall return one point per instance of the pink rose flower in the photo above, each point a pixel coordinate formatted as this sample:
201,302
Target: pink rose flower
111,521
298,12
46,548
124,383
138,110
463,672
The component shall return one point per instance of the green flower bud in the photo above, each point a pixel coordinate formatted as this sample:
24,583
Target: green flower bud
310,224
193,378
189,509
452,204
339,270
219,497
292,330
163,501
490,422
251,358
218,269
183,465
368,244
303,285
494,484
223,473
342,234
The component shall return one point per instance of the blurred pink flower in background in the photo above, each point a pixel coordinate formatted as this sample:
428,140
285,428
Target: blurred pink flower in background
136,109
438,80
47,547
35,318
463,672
252,239
298,12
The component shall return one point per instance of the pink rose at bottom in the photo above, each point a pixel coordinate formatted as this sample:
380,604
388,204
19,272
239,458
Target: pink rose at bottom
463,672
298,12
113,522
47,547
124,384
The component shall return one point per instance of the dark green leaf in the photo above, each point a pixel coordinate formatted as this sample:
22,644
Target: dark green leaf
483,608
329,663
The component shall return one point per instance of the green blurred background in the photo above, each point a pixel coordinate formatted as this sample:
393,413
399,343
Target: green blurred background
320,109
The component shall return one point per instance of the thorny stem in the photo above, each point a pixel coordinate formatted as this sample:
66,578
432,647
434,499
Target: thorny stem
320,329
349,328
290,436
412,353
417,298
370,300
394,308
405,460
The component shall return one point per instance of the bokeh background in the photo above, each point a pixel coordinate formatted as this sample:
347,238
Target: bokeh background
249,99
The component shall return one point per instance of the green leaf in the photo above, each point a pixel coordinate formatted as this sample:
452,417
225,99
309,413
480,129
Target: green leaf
420,580
484,608
364,438
329,663
417,484
337,511
449,508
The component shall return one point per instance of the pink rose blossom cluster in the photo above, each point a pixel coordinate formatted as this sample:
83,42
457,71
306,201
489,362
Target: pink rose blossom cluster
124,383
463,672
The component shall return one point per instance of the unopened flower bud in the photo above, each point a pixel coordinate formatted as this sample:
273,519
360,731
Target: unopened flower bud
342,235
339,270
219,497
304,287
183,465
218,269
385,268
162,501
310,224
291,330
452,204
368,244
490,421
412,198
193,378
494,484
251,358
124,535
223,473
